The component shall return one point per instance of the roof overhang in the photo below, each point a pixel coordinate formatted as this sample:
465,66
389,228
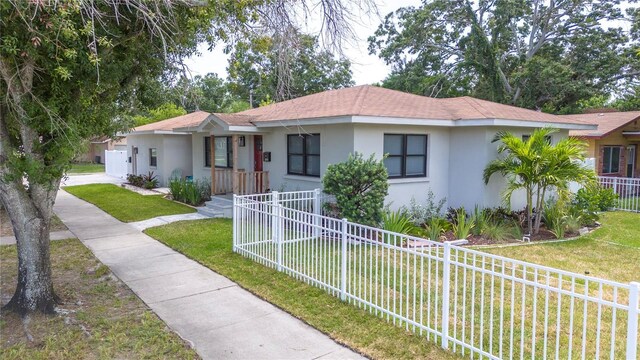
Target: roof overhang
631,134
154,132
424,122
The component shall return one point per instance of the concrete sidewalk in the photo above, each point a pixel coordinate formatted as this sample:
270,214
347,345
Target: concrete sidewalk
222,320
54,235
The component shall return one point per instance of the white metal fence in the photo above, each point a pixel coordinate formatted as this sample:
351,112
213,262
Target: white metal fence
473,303
627,189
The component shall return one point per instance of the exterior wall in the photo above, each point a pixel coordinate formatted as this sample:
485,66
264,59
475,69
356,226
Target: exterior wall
369,139
336,143
617,139
471,150
173,152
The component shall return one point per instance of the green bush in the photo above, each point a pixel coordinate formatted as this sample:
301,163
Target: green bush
481,218
190,192
397,221
359,187
555,217
435,227
603,199
497,231
420,214
462,226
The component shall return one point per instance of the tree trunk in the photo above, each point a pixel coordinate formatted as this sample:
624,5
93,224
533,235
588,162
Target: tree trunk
539,207
529,210
34,291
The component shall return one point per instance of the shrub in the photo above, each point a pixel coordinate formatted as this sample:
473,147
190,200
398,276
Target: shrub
497,231
135,180
435,227
420,214
515,230
462,227
149,181
397,221
359,187
190,192
554,215
594,195
481,219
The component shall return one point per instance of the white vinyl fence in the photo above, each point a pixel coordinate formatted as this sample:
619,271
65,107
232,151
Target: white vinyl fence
115,163
473,303
627,189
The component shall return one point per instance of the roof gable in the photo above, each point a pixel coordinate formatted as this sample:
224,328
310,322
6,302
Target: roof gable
607,122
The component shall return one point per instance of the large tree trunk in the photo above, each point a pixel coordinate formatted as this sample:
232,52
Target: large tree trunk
30,219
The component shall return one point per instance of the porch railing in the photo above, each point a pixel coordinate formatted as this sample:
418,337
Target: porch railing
247,182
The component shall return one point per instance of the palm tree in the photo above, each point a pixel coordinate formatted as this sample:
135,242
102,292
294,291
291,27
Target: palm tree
537,166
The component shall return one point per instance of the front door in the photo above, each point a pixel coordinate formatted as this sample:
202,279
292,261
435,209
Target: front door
257,153
631,160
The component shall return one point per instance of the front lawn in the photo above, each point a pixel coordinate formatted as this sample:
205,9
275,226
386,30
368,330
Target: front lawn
611,252
126,205
100,317
6,229
210,243
86,168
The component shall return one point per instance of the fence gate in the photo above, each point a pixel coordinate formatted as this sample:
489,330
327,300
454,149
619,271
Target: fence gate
116,163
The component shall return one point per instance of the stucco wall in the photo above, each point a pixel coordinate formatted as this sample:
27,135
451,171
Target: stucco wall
617,139
173,152
336,143
369,139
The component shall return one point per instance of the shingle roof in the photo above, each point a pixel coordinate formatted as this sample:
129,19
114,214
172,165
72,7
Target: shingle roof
193,119
367,100
607,122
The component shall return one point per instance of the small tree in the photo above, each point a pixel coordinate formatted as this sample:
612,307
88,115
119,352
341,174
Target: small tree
360,187
536,166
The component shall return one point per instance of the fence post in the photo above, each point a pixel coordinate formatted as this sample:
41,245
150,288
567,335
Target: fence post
632,321
615,185
343,262
235,223
275,201
446,265
280,234
317,211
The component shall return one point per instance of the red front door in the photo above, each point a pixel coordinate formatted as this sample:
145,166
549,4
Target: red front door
257,152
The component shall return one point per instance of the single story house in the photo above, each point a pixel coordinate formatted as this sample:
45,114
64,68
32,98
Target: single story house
97,146
433,144
614,144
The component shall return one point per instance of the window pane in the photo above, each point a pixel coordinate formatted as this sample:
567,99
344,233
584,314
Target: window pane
313,165
153,157
416,145
615,159
393,144
296,164
296,144
313,144
415,166
606,160
207,151
221,152
394,166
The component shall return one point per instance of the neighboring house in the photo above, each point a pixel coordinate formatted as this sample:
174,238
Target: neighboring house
437,144
615,144
97,147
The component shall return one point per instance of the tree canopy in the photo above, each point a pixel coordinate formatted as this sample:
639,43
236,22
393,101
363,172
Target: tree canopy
535,54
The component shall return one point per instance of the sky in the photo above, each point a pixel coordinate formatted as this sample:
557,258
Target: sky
367,69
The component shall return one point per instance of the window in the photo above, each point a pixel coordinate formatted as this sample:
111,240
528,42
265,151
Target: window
153,157
303,154
611,160
224,151
406,155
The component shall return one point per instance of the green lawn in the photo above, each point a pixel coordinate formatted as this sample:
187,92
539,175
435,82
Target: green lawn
210,241
101,318
126,205
611,252
86,168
